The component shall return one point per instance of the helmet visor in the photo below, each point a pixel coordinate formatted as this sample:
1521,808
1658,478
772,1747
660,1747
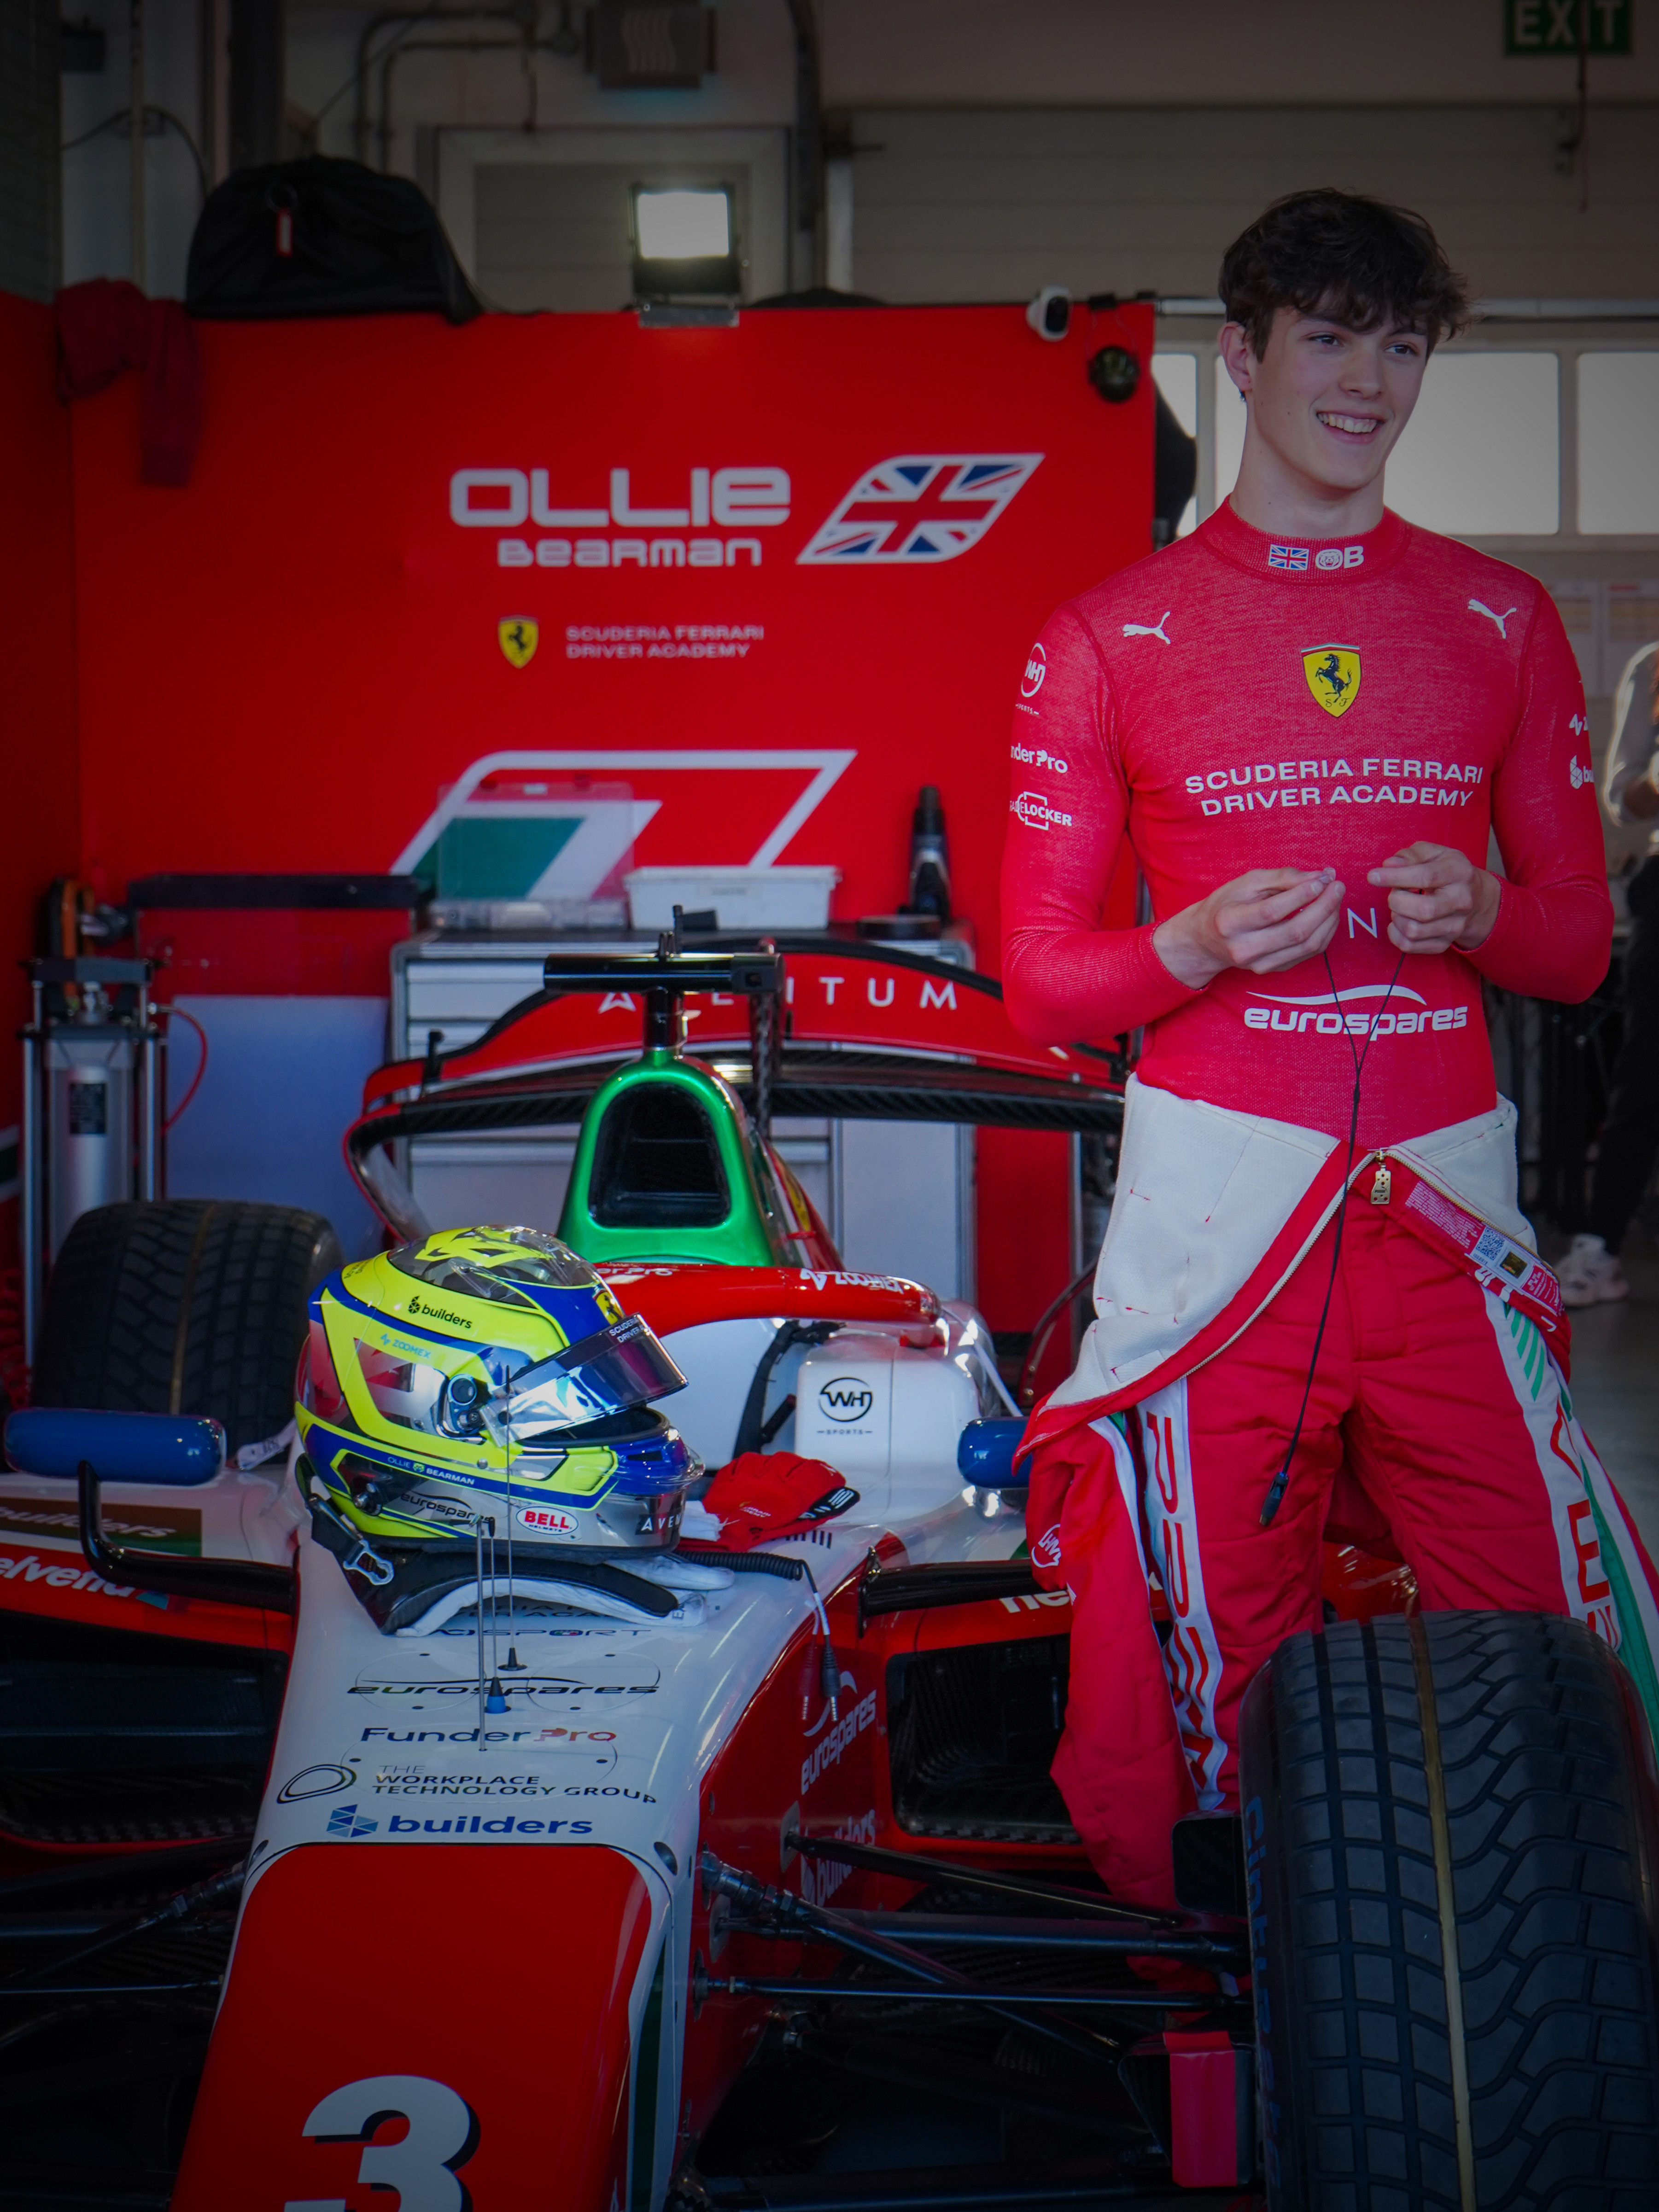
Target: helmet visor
605,1373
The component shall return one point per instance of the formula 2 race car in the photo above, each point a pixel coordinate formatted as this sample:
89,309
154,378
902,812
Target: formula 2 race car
474,1797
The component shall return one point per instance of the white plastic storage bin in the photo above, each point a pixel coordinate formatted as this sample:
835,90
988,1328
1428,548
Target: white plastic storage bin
740,898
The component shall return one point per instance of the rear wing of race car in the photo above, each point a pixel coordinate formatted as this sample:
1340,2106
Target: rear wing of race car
848,1031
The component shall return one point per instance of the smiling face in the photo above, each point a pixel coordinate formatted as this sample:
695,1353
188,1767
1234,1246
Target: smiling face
1327,403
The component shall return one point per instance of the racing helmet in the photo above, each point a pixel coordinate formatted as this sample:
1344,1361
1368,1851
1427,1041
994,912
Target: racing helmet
487,1374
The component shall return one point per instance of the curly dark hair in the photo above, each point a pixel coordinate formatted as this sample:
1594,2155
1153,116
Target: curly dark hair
1360,261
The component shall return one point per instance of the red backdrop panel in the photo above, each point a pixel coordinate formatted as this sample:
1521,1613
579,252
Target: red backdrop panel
283,665
287,665
1025,1232
38,832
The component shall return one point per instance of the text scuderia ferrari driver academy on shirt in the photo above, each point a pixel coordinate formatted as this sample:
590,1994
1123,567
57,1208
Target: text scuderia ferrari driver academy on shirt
1233,703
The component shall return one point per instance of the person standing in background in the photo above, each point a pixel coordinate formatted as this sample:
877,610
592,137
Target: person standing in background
1312,1134
1590,1273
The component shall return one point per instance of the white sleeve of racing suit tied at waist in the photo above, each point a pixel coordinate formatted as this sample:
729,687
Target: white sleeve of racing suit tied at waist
1203,1192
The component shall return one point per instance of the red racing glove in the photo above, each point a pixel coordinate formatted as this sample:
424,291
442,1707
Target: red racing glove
759,1496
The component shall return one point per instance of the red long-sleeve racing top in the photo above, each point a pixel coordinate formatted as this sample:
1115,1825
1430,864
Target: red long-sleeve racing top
1239,701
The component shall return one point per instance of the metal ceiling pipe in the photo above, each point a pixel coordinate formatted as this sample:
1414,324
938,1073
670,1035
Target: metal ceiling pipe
136,219
370,32
809,132
258,97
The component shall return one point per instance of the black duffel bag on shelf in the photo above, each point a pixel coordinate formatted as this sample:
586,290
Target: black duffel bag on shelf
323,237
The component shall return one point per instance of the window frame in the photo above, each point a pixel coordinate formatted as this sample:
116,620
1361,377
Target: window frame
1567,337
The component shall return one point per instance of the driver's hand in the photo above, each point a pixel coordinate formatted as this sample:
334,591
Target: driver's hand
1439,900
1269,919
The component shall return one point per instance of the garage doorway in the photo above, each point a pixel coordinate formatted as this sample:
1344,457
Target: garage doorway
541,219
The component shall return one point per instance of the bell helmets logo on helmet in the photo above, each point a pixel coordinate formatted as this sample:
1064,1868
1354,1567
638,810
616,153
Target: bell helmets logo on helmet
548,1520
921,507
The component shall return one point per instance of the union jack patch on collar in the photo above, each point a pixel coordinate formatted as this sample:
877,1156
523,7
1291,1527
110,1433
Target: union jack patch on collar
1287,557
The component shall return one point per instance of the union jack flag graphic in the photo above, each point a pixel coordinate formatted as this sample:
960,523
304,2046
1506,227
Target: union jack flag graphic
921,507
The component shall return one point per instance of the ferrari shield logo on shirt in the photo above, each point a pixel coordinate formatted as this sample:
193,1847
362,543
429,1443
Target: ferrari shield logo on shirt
1333,673
519,634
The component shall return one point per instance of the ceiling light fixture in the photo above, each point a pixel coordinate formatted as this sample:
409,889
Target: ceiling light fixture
685,243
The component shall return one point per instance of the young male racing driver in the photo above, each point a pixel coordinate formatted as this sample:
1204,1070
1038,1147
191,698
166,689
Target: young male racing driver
1306,718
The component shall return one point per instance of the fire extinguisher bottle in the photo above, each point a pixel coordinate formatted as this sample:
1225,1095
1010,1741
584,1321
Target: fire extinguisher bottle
930,857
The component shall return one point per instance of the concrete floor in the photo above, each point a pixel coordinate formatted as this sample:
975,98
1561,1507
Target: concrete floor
1615,1384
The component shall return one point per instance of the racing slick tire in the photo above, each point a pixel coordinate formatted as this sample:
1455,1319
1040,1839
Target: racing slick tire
1476,1787
183,1305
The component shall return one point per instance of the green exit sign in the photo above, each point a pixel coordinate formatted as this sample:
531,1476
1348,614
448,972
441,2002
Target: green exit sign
1555,27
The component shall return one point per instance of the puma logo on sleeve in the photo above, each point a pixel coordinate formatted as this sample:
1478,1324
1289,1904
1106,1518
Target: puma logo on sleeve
1149,630
1479,607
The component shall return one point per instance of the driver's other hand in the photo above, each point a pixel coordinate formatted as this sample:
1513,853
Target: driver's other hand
1266,920
1439,900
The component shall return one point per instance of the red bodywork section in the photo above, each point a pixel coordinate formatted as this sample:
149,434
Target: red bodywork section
673,1295
792,1764
63,1586
506,1994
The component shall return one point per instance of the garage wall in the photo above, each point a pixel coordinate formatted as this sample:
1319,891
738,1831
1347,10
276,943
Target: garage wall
29,163
1086,110
983,204
1318,53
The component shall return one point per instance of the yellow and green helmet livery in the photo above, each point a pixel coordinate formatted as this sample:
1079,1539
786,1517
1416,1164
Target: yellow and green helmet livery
488,1374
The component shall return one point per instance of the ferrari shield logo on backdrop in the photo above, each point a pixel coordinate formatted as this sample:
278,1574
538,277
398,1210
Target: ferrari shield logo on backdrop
921,507
518,634
1333,673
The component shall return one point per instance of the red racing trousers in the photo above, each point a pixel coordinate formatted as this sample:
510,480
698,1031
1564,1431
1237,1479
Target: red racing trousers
1431,1397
